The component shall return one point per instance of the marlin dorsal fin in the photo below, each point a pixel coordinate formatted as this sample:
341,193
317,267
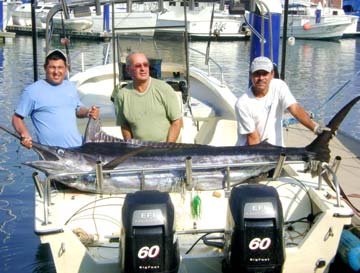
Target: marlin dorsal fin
94,133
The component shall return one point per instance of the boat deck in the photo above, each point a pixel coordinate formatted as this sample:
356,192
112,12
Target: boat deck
341,145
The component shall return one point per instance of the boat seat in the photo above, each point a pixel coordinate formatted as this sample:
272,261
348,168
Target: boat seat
200,111
217,131
179,85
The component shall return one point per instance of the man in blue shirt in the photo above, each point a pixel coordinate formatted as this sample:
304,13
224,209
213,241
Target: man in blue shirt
53,106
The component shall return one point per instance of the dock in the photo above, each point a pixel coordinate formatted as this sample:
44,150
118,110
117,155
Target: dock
5,34
88,35
352,35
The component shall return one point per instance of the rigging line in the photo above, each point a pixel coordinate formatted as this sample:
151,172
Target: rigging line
337,91
80,210
305,189
198,240
93,216
66,43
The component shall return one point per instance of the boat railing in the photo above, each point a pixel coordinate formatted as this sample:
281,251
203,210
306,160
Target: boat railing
264,9
209,66
332,171
44,187
254,31
172,168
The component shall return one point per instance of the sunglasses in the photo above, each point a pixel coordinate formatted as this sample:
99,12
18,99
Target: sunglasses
140,65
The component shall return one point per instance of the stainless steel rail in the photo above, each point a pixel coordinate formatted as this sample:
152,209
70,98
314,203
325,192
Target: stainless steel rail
326,167
188,168
208,65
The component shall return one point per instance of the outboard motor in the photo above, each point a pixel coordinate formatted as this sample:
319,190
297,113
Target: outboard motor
148,239
254,232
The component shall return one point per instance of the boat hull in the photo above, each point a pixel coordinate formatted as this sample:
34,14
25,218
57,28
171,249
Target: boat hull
21,16
304,250
225,26
326,31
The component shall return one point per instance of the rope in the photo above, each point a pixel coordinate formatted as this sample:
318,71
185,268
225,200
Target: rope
85,238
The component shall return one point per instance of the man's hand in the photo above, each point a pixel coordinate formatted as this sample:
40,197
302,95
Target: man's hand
319,129
26,141
94,112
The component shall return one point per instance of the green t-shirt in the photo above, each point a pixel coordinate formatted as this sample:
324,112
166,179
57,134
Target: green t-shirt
148,114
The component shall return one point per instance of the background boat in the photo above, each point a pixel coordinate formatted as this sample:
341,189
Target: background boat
21,16
224,25
139,16
312,21
8,8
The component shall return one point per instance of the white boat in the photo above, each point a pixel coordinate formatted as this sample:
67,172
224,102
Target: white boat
8,8
237,227
224,26
21,16
130,21
303,23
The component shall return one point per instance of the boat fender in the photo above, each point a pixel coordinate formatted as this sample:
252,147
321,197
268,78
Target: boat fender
349,249
291,41
307,26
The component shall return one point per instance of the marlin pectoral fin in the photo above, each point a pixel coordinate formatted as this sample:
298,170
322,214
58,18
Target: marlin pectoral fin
117,161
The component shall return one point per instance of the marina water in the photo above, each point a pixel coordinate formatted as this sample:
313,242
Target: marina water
323,76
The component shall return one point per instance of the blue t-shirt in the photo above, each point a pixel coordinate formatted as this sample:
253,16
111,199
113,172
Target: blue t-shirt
52,109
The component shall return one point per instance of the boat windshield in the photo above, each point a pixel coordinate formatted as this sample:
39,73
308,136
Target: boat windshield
162,52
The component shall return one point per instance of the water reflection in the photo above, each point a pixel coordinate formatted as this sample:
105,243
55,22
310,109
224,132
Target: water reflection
44,261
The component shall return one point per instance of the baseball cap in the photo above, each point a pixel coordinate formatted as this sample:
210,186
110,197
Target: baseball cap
261,63
57,53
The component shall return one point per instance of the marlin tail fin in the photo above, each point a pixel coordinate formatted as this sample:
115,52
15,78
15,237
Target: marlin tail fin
320,146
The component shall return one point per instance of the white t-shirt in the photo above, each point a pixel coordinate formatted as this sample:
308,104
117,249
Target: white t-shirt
263,114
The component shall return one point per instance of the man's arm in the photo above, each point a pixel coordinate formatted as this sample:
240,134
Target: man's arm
299,113
174,130
126,132
253,138
20,128
92,112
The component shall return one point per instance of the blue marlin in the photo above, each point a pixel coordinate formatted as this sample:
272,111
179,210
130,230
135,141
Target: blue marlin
132,165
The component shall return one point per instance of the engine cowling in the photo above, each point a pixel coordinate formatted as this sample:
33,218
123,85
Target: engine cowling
148,238
254,232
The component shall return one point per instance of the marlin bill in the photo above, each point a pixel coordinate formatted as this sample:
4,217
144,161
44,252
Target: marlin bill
132,165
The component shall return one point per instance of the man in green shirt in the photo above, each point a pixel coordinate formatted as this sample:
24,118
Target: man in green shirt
147,108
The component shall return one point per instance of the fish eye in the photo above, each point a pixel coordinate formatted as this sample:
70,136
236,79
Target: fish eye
60,152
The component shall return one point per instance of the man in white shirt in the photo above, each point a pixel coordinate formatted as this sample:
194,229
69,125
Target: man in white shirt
260,110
